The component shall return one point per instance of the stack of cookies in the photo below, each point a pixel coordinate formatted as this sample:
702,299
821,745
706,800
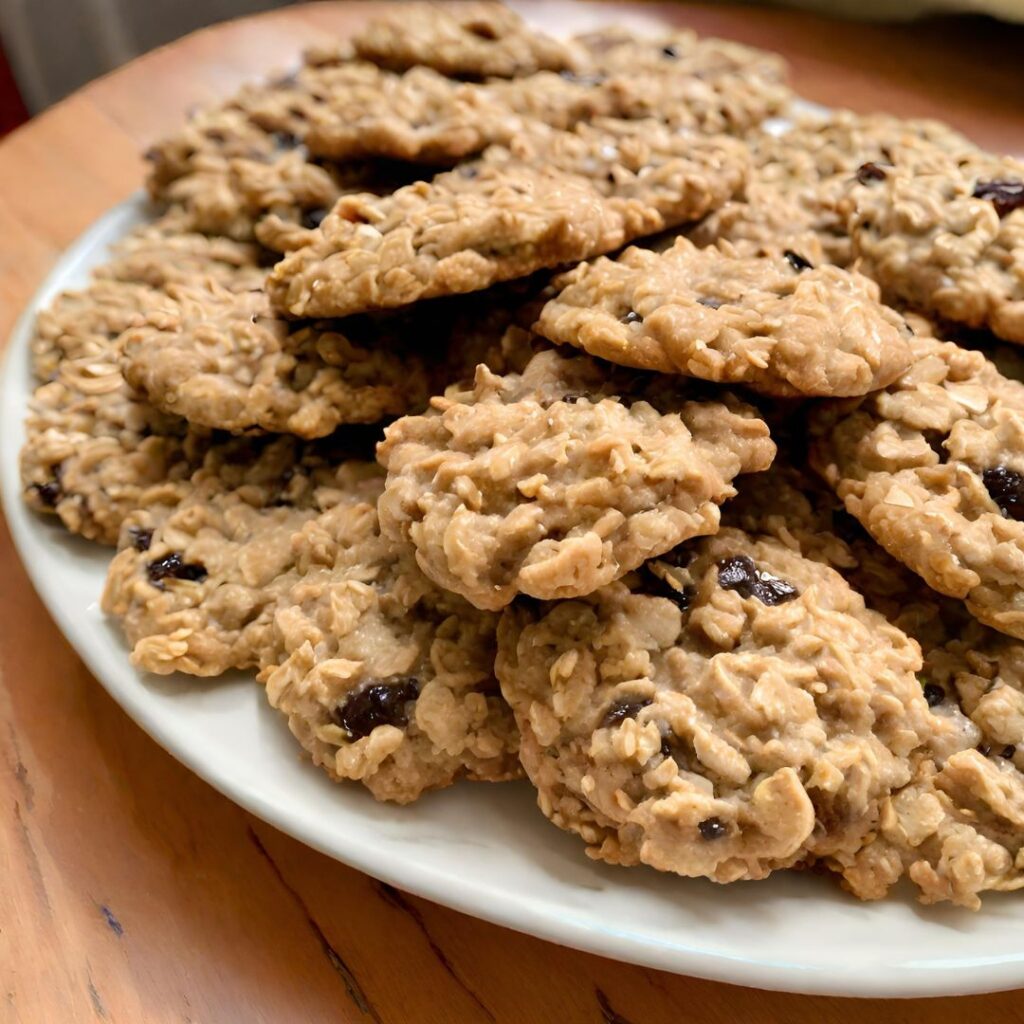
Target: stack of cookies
516,406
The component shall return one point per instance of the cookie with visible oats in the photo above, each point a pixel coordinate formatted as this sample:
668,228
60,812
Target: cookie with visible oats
775,323
557,480
386,679
95,451
931,467
85,323
458,233
951,829
946,236
194,587
463,40
731,710
222,360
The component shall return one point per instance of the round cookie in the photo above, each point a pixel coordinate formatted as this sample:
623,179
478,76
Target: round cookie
464,40
221,359
774,323
732,710
562,478
952,830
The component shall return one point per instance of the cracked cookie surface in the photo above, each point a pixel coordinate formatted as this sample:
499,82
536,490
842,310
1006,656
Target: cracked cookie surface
774,323
562,478
732,710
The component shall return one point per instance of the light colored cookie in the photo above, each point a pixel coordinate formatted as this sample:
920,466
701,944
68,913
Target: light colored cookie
556,481
800,176
956,831
680,175
775,323
221,359
85,323
947,829
95,452
195,587
947,236
733,710
932,468
386,679
463,40
166,251
458,233
426,118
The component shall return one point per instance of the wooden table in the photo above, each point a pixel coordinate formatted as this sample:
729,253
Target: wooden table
129,890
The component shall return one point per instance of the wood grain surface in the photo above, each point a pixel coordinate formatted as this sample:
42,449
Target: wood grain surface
130,891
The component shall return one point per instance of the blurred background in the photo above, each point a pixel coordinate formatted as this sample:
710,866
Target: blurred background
49,48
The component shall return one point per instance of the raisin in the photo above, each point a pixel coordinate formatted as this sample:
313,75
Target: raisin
171,566
712,828
632,317
623,709
740,574
670,51
1005,194
49,493
934,694
984,749
1006,487
1008,751
140,538
870,172
378,702
313,218
710,301
665,584
797,262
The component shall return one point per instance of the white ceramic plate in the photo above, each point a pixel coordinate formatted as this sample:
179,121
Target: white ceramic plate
486,849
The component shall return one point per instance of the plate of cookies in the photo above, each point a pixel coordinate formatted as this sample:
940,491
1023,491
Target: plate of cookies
573,480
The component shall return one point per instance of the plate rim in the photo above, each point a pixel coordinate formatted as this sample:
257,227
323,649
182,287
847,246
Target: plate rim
951,979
